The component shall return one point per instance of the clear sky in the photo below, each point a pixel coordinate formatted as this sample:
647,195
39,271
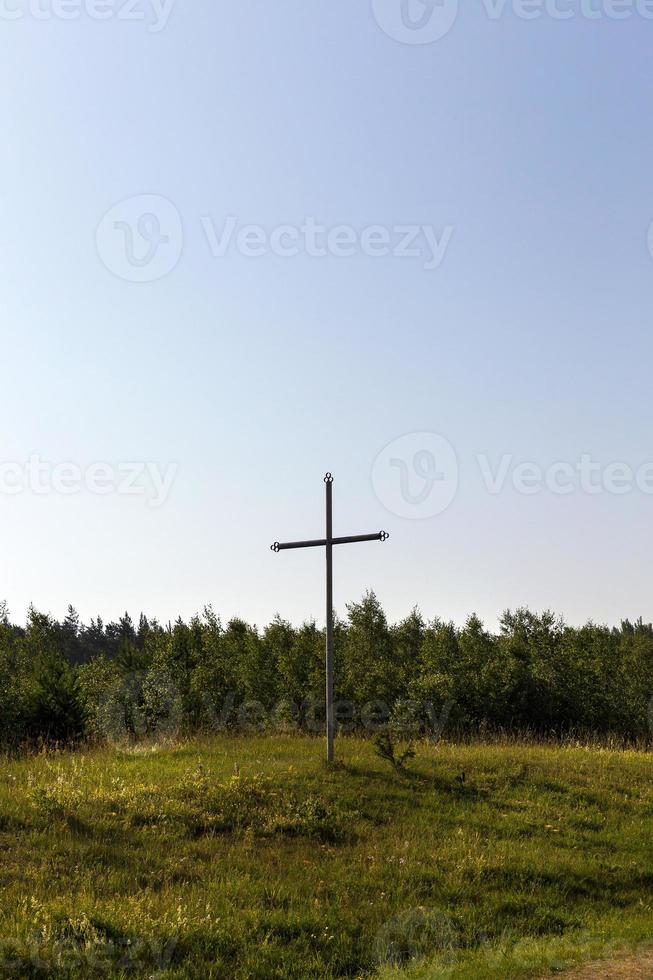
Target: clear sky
523,146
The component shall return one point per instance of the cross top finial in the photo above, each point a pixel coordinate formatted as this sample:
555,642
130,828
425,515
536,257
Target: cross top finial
328,478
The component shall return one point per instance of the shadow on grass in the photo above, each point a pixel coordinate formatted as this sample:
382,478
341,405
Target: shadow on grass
399,779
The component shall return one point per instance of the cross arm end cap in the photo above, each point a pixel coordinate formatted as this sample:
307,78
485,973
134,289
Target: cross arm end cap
275,547
384,535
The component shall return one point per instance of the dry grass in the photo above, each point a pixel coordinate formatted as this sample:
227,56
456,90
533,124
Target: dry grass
629,968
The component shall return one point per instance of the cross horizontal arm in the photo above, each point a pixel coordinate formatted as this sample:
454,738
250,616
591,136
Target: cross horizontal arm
356,538
319,543
322,542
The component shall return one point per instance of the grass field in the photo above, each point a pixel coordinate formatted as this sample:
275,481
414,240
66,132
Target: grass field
246,857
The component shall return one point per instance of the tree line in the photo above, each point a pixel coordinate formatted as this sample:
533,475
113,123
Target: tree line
63,681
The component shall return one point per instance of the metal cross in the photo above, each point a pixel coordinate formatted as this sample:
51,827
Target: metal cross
328,543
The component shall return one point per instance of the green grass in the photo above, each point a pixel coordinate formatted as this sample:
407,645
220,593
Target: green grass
247,857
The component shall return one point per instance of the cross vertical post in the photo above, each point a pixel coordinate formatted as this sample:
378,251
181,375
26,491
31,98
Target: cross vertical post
327,543
330,720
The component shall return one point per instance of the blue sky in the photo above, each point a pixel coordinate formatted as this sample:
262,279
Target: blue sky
526,143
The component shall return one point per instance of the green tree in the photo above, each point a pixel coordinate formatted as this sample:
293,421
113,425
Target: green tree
55,711
367,671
